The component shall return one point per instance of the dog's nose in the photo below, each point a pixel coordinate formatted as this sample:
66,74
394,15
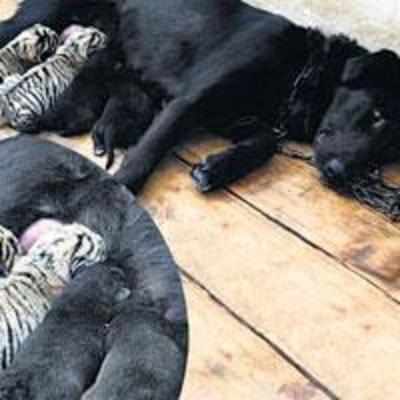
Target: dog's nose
335,171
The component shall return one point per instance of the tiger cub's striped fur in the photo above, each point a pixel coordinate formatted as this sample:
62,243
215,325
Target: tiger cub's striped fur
38,90
29,48
9,250
35,279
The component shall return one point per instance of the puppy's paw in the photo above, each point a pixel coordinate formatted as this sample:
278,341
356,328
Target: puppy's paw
97,134
103,135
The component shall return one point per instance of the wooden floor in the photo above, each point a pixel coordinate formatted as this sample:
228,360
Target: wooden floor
293,291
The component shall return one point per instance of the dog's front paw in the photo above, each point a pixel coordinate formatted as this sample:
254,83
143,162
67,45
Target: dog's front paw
208,175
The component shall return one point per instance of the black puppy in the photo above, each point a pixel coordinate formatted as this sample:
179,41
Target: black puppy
44,180
62,357
125,373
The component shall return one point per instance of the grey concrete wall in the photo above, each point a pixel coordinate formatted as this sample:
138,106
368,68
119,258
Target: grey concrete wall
375,23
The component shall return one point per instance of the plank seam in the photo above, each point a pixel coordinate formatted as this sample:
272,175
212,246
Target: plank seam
316,247
275,347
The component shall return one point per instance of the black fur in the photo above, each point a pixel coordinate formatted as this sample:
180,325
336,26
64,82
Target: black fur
128,374
41,179
209,63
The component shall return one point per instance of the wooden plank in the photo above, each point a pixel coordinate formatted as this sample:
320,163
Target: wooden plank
82,144
391,174
339,327
291,192
227,361
8,8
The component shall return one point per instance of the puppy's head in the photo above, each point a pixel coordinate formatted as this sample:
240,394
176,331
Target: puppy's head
107,280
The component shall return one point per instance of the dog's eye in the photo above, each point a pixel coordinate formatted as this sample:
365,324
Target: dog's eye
377,116
378,120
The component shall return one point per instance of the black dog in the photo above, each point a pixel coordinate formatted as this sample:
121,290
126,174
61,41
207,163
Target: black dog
41,179
212,63
218,61
74,331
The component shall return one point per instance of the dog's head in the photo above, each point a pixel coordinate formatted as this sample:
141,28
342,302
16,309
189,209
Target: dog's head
362,121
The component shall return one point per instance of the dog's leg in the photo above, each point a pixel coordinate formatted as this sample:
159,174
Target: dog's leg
238,161
207,83
126,117
164,133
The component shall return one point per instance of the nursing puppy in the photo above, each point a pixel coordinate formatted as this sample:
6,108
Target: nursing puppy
126,374
62,357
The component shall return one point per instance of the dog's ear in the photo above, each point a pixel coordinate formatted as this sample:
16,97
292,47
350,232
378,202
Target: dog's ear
380,69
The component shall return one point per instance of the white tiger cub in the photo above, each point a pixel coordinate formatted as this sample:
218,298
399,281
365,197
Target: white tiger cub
28,97
36,278
30,47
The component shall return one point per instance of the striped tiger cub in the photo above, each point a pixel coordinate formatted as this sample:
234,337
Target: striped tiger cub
31,95
29,48
37,277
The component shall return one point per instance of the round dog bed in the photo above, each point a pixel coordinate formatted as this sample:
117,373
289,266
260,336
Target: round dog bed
93,344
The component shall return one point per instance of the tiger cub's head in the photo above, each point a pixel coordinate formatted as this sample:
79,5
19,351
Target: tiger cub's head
35,44
67,248
84,42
